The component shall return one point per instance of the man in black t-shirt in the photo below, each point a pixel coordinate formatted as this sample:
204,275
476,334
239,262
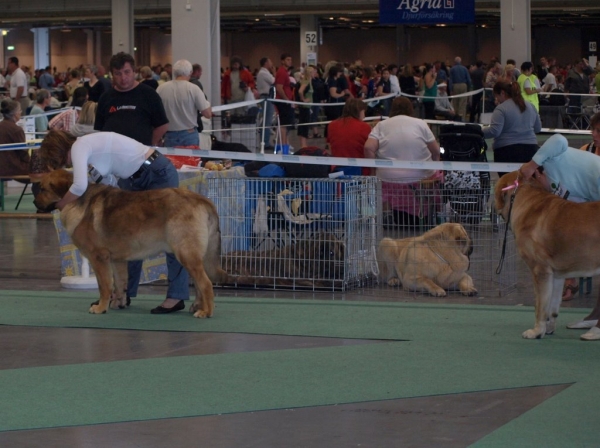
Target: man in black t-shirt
131,108
135,110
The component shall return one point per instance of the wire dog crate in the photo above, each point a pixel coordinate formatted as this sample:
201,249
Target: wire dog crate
411,209
290,233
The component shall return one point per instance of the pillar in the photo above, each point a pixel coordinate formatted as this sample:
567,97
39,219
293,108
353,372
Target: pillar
89,50
41,47
401,45
473,45
309,40
196,36
515,30
122,26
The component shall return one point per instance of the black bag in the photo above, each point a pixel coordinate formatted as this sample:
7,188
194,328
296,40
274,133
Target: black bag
301,170
466,191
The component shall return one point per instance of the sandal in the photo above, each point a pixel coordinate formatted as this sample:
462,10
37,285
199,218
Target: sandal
573,289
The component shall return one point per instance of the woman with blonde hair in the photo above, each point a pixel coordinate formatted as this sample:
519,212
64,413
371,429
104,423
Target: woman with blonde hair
164,77
147,78
85,122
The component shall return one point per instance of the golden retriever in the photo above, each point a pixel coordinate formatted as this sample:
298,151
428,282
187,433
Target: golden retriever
315,261
433,262
111,226
557,239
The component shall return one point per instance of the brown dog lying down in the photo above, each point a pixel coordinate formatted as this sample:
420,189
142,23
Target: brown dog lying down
556,238
111,226
315,262
433,262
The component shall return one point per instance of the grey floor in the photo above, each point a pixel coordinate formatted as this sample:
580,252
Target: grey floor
29,260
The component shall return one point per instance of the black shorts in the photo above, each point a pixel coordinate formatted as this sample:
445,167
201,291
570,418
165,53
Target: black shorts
286,113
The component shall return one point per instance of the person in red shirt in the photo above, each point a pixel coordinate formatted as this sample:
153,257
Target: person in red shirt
236,81
283,90
347,136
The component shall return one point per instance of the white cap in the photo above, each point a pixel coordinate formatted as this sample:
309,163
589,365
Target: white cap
442,85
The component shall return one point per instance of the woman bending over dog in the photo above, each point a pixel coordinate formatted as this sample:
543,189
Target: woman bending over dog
117,160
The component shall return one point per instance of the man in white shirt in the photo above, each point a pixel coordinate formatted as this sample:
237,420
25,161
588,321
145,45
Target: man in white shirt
549,81
264,84
394,82
18,83
182,101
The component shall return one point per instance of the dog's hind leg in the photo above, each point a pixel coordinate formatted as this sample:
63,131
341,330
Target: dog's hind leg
204,305
543,287
190,259
100,262
118,299
554,305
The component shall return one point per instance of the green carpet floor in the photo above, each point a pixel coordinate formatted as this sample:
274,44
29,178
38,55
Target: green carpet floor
433,350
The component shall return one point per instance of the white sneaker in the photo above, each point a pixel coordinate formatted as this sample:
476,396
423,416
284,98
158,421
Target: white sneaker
592,335
582,324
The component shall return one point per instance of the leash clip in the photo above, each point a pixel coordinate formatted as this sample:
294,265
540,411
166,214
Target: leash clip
515,185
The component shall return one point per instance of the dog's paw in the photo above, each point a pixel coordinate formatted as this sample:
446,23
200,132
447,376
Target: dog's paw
393,282
550,326
97,309
470,292
117,304
200,314
532,334
438,293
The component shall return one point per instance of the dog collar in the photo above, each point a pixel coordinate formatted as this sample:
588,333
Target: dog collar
515,185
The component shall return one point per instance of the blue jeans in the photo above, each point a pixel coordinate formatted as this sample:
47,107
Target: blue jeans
160,174
182,138
269,110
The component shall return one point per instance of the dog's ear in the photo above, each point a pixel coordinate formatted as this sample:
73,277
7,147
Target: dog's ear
59,181
462,238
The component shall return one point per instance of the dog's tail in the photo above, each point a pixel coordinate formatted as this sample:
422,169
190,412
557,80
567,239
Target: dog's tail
212,258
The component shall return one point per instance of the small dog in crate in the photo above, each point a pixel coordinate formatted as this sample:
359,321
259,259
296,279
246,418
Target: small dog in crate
316,261
433,262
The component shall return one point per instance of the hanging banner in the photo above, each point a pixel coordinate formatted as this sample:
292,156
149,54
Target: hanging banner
426,12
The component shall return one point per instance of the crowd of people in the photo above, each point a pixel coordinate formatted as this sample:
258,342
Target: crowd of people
170,103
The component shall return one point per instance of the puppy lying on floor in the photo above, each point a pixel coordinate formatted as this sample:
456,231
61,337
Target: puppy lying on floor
314,262
433,262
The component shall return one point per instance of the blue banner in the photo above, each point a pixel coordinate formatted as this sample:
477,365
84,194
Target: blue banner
426,12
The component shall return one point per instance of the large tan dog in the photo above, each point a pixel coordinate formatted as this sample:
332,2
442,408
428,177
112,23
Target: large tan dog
556,238
112,226
433,262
